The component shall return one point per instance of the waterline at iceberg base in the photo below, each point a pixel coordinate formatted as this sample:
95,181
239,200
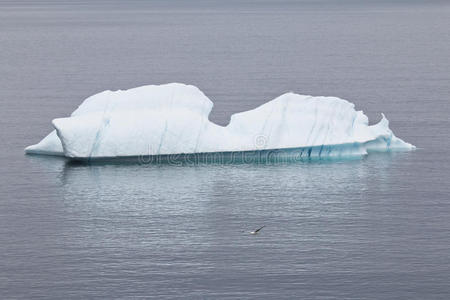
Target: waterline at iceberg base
169,123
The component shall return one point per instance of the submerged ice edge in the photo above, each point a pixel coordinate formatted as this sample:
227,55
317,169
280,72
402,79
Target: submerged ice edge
267,156
173,119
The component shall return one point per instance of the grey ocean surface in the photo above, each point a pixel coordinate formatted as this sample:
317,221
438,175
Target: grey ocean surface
375,228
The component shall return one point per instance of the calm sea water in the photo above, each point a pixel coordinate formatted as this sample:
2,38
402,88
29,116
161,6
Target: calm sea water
376,228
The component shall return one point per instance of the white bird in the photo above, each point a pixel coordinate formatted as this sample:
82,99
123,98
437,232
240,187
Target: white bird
257,230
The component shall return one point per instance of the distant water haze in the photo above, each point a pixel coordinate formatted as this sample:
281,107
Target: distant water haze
375,228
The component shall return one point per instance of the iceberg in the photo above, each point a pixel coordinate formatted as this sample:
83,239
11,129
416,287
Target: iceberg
173,119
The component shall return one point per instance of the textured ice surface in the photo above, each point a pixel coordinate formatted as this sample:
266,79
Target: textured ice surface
173,119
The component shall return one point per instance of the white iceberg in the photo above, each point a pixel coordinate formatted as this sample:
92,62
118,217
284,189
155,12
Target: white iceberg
173,119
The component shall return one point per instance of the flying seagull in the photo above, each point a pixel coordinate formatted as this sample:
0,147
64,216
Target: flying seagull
257,230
